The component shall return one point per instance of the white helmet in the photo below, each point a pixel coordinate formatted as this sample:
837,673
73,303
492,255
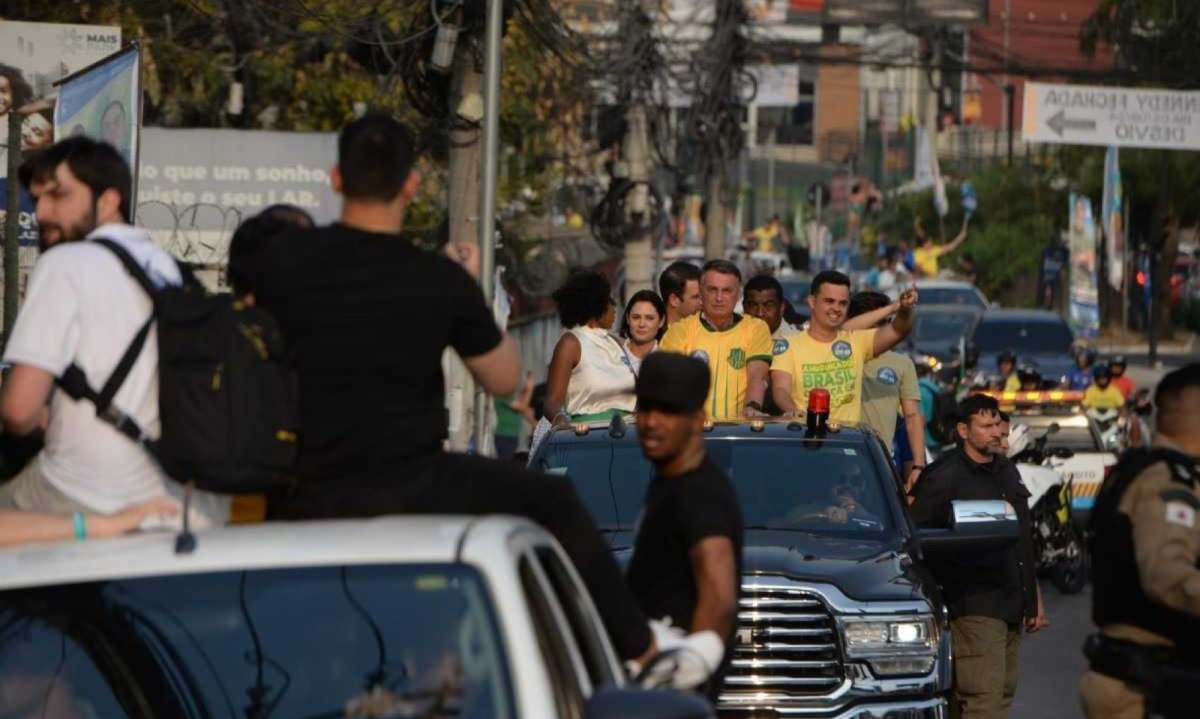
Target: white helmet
1018,439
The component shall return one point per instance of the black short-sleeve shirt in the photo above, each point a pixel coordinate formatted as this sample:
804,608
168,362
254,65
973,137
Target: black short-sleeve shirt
366,317
679,512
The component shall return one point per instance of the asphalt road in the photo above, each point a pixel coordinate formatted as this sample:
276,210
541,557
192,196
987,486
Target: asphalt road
1052,660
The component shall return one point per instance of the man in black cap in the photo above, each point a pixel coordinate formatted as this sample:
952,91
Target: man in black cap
686,563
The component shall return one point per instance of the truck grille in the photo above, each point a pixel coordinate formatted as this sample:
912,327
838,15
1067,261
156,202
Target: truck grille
787,646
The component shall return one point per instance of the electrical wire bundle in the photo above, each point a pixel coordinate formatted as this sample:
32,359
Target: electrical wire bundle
614,220
720,88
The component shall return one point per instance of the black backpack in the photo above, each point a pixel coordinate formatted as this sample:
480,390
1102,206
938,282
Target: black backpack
226,394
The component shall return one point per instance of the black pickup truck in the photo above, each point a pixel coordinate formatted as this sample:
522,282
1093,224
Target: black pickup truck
838,616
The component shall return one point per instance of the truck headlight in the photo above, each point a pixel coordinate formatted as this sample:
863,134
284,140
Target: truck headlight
892,645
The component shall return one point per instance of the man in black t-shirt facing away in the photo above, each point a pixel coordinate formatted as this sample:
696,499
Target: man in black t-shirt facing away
367,315
686,563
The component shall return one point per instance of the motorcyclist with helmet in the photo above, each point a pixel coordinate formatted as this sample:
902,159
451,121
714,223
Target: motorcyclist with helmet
1029,377
1006,365
1120,380
1103,394
1080,378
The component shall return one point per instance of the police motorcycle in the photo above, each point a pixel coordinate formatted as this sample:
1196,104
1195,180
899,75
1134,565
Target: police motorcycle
1057,544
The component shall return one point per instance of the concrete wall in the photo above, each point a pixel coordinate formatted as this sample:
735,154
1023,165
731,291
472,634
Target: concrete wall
838,102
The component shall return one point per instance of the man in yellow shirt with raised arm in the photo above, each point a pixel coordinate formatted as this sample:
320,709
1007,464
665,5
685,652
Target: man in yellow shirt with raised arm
925,257
828,355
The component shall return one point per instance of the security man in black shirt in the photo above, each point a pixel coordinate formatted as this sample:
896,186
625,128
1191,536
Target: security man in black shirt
990,593
1145,661
686,563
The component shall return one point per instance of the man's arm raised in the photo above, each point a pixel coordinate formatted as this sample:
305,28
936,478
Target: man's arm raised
889,336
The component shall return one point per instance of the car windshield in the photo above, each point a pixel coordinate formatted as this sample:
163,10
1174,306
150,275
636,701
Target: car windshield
796,292
418,640
1022,335
951,296
940,328
1071,434
827,488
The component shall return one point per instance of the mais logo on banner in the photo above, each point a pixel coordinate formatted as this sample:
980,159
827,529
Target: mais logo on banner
76,41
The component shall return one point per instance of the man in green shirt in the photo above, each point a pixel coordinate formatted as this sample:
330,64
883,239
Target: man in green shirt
890,391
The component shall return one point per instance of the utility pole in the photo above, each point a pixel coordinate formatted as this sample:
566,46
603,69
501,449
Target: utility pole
466,109
12,224
482,427
714,220
640,219
639,263
1157,243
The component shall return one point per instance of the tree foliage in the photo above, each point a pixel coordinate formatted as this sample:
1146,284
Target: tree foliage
1155,40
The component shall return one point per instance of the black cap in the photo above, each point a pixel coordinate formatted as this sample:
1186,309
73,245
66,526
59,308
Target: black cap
672,383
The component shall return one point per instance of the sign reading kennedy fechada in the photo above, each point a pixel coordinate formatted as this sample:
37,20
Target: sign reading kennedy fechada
1121,116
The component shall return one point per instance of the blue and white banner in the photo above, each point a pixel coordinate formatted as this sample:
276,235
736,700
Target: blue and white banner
1112,218
103,102
1084,314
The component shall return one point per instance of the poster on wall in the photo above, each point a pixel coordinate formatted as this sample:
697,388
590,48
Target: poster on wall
196,185
1084,300
33,57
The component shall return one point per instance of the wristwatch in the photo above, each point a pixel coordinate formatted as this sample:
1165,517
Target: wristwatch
754,405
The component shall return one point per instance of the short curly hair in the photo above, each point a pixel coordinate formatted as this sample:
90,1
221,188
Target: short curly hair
584,296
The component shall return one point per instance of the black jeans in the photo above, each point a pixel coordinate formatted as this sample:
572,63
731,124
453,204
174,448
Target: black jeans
444,483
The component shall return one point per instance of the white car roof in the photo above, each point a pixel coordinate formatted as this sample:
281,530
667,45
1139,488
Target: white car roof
433,539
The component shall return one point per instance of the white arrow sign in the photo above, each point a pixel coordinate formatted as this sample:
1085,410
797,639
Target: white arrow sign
1125,117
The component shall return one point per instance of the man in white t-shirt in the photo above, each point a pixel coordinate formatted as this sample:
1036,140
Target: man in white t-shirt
82,307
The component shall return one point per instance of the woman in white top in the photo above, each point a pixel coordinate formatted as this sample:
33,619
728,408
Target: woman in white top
642,326
589,377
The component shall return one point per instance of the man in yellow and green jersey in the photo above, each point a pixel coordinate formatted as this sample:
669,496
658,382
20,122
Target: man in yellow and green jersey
737,348
829,356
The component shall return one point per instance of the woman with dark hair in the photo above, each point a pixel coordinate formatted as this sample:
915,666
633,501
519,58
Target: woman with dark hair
249,243
14,92
642,326
589,377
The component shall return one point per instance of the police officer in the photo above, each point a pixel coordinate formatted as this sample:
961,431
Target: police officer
1145,661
